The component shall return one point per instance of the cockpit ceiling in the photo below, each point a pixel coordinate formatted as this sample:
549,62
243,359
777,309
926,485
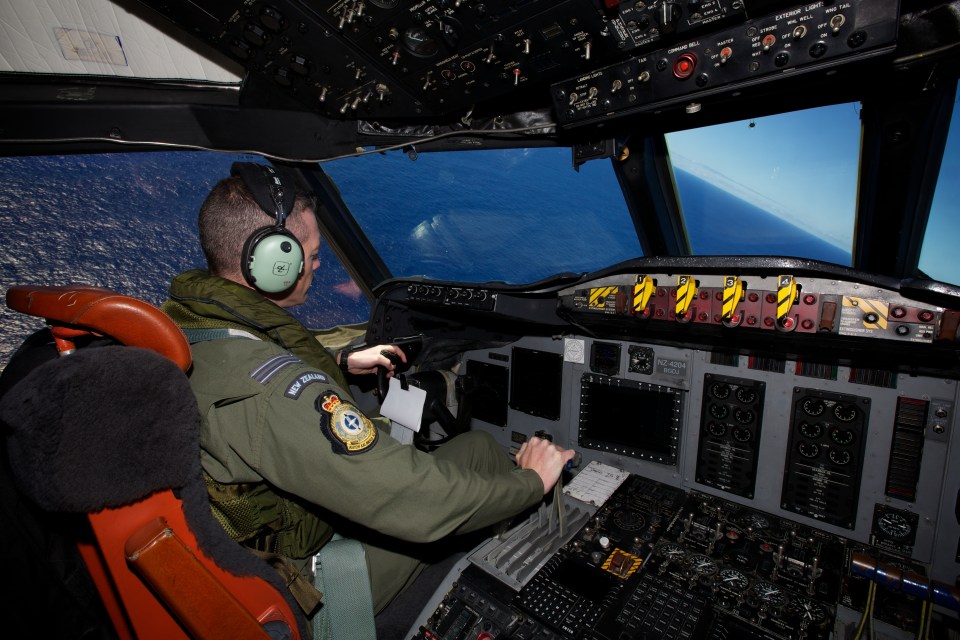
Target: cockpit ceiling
101,38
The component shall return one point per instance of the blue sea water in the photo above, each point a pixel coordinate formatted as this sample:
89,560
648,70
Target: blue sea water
718,221
127,222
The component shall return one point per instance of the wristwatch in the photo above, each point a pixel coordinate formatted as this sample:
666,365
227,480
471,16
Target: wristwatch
344,356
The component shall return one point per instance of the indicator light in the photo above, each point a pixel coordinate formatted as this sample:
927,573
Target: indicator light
684,65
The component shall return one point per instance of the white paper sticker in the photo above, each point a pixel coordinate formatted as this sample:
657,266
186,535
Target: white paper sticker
405,407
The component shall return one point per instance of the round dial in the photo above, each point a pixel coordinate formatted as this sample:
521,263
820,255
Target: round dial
746,395
741,435
641,359
808,449
845,412
733,579
629,520
840,456
811,430
808,610
894,525
671,551
769,593
719,411
720,390
717,429
418,42
743,416
702,564
812,406
842,436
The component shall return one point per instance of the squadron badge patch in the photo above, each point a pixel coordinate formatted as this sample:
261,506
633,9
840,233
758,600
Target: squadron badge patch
344,425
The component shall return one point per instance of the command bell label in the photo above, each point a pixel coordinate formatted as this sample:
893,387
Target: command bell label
677,368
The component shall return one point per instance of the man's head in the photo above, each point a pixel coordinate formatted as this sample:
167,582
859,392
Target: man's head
230,215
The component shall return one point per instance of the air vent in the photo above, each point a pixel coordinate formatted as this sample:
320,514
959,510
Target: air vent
906,450
773,365
874,377
817,370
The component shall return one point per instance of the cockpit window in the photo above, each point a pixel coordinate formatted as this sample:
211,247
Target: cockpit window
126,222
514,215
938,256
783,185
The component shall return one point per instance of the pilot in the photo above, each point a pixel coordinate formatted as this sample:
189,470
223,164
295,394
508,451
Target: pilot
287,455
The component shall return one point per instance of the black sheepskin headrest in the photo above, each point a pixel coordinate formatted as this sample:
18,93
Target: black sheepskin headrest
103,427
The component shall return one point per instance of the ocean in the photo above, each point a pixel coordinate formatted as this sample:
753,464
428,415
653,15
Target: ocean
127,222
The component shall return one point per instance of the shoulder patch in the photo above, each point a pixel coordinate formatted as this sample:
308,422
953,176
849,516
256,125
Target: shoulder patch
348,430
265,372
300,383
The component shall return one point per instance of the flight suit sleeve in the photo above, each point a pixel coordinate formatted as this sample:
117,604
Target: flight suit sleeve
312,441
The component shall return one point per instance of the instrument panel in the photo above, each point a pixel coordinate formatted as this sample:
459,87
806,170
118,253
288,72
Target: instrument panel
766,453
367,59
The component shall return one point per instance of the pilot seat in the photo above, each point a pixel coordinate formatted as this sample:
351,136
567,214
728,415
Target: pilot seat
110,433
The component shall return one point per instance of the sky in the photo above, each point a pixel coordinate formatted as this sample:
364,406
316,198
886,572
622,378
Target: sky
938,258
802,166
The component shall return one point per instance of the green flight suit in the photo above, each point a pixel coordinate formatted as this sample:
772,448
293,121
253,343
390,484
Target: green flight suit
273,416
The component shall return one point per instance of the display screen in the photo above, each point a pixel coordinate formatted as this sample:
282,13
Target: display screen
630,418
488,387
535,382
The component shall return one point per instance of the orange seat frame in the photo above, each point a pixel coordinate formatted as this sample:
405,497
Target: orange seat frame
152,575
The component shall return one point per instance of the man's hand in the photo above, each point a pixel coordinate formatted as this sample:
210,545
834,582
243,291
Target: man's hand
367,360
544,457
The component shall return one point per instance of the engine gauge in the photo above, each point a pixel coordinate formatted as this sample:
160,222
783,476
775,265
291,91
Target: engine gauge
812,406
840,456
845,412
702,564
770,594
894,525
746,395
417,41
671,551
808,449
720,390
719,411
743,416
812,430
808,610
742,435
733,579
717,429
842,436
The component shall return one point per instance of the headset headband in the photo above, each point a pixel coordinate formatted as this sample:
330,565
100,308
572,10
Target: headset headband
266,186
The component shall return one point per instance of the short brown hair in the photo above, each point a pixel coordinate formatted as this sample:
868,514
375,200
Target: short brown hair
230,215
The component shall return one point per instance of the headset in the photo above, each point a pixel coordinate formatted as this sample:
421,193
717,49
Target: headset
272,256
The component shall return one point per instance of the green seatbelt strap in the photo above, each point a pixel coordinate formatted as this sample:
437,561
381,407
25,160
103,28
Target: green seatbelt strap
341,574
